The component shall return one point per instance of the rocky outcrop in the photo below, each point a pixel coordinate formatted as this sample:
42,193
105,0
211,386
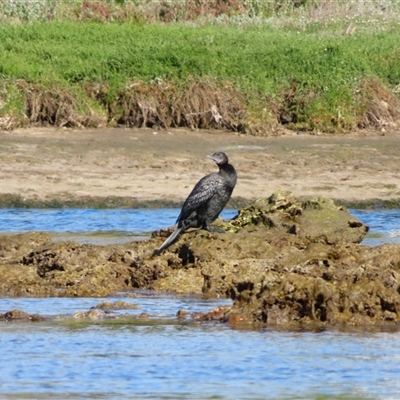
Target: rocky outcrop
283,261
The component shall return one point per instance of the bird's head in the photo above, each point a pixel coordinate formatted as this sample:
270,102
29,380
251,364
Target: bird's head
219,158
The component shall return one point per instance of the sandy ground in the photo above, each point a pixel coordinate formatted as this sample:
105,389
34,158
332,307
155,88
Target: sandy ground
55,163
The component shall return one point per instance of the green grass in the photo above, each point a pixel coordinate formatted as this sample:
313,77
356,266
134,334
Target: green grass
255,58
312,74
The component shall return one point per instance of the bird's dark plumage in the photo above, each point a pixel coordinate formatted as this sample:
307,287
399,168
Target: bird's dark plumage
207,199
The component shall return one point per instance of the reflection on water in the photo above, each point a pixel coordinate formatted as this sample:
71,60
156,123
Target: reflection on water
68,358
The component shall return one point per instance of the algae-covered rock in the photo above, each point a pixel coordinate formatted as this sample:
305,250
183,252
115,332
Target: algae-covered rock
66,269
347,285
282,260
272,232
14,246
315,219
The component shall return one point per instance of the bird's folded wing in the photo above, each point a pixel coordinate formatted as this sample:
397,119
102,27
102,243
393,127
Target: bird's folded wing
201,194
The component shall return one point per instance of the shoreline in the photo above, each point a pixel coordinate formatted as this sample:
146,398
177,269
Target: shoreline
16,201
142,168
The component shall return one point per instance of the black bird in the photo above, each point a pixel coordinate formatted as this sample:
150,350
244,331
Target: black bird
207,199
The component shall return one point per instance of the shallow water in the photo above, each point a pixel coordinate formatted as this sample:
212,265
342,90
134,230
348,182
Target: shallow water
167,359
92,225
123,225
164,358
384,225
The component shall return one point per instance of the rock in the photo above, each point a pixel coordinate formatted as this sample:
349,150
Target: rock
18,315
356,286
284,261
91,314
216,314
13,247
65,269
116,305
182,314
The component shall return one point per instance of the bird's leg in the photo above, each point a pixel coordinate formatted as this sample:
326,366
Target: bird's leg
213,229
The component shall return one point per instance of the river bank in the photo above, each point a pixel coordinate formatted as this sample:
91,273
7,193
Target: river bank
316,74
109,168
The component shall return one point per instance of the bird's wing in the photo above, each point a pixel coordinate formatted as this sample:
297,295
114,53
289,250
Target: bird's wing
204,190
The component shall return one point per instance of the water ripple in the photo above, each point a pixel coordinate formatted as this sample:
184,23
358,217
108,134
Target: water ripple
91,225
122,225
193,361
68,359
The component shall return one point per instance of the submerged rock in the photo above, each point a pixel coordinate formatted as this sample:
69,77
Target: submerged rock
283,261
19,315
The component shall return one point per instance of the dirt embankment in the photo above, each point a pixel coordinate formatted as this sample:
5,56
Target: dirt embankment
136,167
283,261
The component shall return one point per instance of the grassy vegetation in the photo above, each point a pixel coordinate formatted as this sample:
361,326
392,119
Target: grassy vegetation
113,202
254,67
16,201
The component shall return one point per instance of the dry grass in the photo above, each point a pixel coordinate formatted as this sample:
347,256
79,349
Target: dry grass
56,107
201,104
381,106
327,10
190,10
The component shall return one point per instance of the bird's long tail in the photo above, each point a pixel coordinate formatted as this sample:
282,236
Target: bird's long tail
168,242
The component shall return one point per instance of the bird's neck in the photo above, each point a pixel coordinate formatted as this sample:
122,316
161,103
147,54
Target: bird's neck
227,170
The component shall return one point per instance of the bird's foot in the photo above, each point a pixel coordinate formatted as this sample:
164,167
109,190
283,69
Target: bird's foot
214,229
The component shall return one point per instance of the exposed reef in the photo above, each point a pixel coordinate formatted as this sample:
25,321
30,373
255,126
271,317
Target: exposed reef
283,261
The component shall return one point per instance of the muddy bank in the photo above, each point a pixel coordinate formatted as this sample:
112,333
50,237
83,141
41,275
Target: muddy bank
283,261
109,168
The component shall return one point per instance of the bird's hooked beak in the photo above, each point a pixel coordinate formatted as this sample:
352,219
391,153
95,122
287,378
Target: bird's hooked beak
219,158
212,158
